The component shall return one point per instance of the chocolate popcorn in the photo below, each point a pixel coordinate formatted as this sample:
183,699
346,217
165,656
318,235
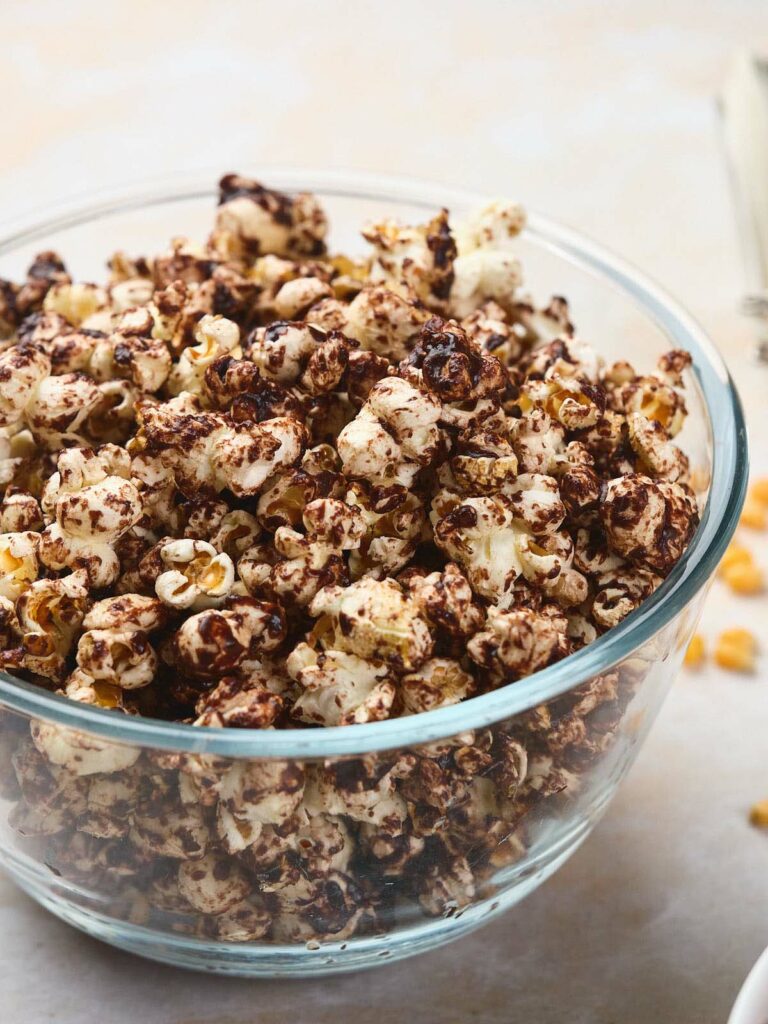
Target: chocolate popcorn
250,484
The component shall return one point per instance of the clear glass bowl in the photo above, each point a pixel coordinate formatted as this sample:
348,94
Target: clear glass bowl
424,827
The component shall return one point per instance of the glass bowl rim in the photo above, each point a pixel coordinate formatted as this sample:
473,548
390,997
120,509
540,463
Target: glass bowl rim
718,522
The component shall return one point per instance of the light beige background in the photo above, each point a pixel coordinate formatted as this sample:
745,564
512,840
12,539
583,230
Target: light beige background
600,114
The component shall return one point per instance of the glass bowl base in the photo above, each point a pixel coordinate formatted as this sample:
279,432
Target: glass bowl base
264,960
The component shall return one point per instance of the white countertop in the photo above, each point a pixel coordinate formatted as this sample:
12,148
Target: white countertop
603,116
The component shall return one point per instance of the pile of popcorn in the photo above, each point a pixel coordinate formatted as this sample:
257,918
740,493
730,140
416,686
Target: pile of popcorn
253,484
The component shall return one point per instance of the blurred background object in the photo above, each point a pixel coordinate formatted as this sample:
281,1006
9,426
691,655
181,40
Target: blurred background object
601,115
744,108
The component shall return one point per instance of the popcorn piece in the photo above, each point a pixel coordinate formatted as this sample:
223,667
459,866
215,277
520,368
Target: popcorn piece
213,884
695,652
93,508
313,560
295,297
494,548
394,520
655,450
18,563
483,462
236,532
446,363
419,259
438,683
488,327
648,521
81,687
382,321
20,513
375,621
517,643
78,752
565,356
133,353
538,441
255,794
57,413
165,827
445,600
393,436
213,643
330,907
128,611
246,921
736,649
239,703
657,397
77,303
485,268
262,220
123,658
574,403
196,576
300,353
369,797
49,614
214,337
339,688
621,591
497,225
209,450
22,370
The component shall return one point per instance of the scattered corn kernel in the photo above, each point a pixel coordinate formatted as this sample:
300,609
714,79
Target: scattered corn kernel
754,514
759,490
694,655
744,578
758,816
736,650
735,554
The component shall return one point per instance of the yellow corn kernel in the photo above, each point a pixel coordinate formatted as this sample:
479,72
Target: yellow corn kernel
758,816
744,578
754,514
694,655
759,490
735,554
736,650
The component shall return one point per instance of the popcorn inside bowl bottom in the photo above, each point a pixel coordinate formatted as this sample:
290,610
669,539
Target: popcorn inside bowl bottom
250,483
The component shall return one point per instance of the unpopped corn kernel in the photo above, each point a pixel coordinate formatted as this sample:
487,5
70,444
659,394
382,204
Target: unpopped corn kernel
735,554
758,815
736,650
695,652
759,490
754,514
744,578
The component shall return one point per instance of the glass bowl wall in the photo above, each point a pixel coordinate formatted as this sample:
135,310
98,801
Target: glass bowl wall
313,851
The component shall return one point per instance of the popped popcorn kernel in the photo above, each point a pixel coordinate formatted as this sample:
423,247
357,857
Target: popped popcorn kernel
736,650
